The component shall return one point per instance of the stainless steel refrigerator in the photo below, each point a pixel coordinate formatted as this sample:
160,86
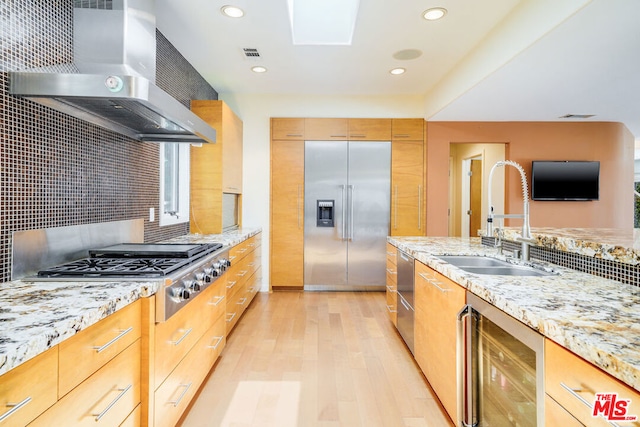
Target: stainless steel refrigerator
346,214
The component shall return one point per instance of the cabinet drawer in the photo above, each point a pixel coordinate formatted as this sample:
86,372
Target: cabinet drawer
392,255
107,396
27,390
175,337
177,391
90,349
234,310
216,298
556,415
564,370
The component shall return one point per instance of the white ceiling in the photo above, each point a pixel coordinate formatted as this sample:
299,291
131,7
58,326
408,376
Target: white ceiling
490,60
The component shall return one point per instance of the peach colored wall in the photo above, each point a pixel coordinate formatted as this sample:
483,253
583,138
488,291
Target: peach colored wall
610,143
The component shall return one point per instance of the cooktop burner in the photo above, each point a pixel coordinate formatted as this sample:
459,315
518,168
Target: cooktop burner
144,260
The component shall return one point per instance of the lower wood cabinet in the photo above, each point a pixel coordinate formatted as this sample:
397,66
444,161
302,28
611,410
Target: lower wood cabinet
179,388
108,396
573,383
392,284
30,389
438,301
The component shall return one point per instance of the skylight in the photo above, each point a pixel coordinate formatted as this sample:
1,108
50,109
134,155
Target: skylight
326,22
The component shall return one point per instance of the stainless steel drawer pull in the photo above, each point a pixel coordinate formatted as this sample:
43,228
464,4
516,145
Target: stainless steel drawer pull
231,284
230,319
177,401
100,349
15,407
391,254
122,391
243,301
219,340
242,273
187,332
218,300
390,289
390,271
391,310
434,283
231,258
574,392
294,134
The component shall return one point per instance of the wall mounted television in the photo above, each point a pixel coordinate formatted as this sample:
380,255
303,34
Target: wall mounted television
565,180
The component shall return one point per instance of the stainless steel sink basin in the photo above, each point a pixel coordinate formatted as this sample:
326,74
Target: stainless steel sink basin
474,261
487,265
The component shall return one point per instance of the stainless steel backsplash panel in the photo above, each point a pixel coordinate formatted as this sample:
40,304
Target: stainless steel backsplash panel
34,250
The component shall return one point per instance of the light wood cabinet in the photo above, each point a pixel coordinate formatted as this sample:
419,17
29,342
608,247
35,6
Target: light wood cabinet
392,283
287,129
438,301
570,379
407,189
407,129
369,129
240,281
90,349
29,389
322,129
108,396
215,168
556,415
287,215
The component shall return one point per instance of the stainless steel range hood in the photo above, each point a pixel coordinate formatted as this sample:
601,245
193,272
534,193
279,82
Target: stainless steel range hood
115,55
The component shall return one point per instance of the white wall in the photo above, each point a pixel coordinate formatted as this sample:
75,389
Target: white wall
256,112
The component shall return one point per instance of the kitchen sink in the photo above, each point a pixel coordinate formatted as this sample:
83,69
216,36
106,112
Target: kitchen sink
487,265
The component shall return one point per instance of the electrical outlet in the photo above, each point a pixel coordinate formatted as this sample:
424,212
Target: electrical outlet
152,214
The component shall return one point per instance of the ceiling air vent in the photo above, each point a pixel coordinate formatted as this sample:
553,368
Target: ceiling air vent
251,53
576,116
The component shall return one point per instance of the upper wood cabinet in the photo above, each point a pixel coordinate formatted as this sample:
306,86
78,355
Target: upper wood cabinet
369,129
215,168
326,129
407,129
284,129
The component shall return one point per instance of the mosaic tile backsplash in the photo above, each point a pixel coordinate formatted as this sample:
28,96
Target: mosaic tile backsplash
56,170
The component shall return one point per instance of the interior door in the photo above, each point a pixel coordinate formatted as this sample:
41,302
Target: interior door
475,197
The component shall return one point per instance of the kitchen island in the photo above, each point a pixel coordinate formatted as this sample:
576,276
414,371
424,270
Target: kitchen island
594,317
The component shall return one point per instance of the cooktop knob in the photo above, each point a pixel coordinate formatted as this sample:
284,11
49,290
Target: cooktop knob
180,293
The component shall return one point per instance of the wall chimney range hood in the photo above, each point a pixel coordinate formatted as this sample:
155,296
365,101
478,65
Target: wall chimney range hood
114,87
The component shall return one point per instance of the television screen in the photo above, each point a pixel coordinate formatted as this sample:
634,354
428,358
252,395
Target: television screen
565,180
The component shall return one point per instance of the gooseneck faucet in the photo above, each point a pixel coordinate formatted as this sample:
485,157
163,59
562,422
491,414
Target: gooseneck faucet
526,239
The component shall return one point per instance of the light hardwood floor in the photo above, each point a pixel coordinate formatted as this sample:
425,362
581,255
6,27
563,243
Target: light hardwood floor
316,359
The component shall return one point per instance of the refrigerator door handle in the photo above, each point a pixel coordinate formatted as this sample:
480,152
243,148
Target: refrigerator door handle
344,207
352,187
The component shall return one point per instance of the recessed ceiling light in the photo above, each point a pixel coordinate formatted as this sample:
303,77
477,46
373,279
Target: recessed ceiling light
434,13
397,71
232,11
259,69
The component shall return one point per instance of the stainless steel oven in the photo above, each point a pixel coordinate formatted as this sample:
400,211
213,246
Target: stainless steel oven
501,368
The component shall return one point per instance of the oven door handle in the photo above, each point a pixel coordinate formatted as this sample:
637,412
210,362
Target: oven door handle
465,368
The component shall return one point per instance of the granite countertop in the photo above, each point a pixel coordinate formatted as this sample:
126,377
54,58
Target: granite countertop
606,243
593,317
36,316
